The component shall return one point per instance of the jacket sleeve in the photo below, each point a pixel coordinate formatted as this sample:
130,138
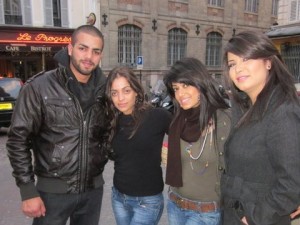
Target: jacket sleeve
25,122
283,147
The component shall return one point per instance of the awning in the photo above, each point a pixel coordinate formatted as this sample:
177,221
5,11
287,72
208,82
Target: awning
284,31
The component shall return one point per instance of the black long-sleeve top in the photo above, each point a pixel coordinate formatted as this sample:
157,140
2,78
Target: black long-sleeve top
138,160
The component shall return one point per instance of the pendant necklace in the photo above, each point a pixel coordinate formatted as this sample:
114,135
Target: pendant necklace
188,149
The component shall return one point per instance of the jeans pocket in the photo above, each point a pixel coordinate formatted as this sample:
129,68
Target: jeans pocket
151,207
154,202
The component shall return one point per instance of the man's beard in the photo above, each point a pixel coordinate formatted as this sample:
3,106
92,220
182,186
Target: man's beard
81,71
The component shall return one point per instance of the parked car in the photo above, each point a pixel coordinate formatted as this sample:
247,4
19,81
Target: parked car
9,92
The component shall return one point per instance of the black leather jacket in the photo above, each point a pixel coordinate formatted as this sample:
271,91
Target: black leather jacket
69,149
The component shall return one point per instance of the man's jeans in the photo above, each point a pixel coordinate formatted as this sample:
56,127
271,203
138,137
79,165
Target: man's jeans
179,216
131,210
82,209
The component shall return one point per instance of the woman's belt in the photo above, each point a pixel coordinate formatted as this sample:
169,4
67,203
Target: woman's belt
193,205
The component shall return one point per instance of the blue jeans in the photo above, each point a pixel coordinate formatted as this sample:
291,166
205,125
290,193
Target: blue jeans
179,216
132,210
81,208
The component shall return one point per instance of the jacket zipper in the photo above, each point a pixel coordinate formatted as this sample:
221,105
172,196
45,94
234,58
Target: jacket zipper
82,144
83,161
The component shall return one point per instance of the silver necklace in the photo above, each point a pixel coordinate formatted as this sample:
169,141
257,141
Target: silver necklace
188,149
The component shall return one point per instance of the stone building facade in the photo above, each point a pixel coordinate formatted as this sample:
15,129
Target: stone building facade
163,31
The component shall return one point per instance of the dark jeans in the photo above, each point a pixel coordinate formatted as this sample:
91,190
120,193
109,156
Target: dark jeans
82,209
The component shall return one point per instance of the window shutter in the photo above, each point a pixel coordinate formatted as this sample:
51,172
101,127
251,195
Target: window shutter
26,12
293,10
298,14
2,21
48,13
64,13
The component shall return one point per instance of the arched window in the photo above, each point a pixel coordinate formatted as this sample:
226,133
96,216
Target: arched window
213,49
129,44
177,41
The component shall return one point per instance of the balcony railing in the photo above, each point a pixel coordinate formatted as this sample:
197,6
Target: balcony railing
13,19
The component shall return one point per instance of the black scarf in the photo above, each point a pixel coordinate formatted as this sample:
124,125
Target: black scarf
186,127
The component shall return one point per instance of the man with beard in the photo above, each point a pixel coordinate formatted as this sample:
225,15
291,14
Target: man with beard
59,120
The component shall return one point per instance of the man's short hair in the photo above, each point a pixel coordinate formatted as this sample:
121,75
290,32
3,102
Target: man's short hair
89,29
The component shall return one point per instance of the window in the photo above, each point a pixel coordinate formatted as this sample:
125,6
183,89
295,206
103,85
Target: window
219,3
275,7
295,10
213,49
251,6
129,44
15,12
56,13
291,54
177,42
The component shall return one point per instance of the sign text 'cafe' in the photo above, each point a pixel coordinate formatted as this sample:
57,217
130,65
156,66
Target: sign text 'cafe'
33,41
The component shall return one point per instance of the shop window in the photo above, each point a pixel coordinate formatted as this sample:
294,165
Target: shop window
129,44
295,10
15,12
251,6
291,55
213,49
56,13
177,42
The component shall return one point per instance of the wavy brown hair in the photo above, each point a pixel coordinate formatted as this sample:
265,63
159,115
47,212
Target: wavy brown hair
140,106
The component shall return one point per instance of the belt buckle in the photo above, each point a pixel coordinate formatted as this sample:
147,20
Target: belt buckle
178,201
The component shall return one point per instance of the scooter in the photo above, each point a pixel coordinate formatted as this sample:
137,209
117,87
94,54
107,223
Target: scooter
167,104
160,98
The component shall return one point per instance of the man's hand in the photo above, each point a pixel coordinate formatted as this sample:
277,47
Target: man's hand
244,221
296,213
34,207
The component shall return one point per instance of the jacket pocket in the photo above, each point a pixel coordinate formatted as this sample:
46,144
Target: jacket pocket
60,112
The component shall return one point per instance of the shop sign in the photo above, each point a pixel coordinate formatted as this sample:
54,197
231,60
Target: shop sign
9,48
12,48
34,37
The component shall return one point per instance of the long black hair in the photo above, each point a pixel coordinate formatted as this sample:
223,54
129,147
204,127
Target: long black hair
256,45
140,105
192,72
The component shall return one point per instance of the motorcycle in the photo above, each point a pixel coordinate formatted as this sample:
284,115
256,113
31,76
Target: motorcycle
160,98
167,104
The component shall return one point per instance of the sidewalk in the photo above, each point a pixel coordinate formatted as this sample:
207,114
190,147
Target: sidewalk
10,207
